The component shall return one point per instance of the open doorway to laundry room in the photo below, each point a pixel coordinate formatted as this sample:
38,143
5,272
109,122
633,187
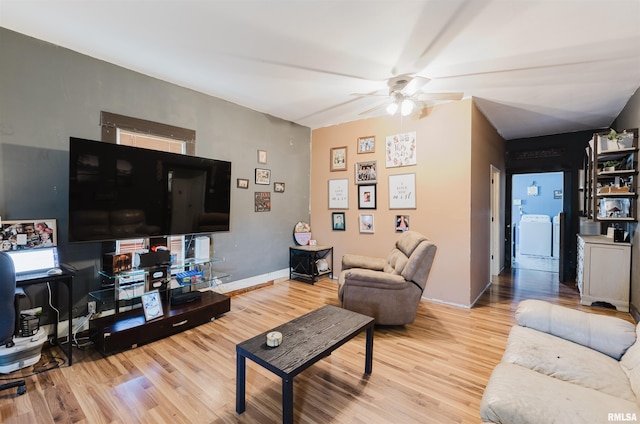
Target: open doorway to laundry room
535,222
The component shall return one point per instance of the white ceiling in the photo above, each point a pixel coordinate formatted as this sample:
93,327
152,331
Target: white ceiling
534,67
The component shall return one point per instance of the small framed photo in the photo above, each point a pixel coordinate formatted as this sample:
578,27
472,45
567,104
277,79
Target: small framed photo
263,201
367,172
367,144
402,223
278,187
338,158
262,156
243,183
367,196
152,305
366,223
263,176
338,221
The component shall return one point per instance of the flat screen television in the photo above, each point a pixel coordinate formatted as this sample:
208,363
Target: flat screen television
119,192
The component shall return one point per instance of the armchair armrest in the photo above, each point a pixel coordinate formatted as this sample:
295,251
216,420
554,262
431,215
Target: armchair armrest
366,262
609,335
368,278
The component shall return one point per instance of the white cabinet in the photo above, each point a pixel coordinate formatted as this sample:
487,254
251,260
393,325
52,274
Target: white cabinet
603,273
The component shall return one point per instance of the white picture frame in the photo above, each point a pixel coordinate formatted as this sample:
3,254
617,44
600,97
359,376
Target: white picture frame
339,193
365,223
152,305
401,150
402,191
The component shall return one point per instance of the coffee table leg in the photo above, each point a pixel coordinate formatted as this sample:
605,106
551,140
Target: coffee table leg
287,400
368,361
241,363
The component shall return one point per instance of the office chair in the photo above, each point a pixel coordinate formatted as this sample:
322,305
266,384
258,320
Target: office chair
8,313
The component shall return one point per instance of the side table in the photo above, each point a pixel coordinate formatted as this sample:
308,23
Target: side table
303,262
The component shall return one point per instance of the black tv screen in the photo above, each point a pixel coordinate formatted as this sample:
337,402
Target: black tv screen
119,192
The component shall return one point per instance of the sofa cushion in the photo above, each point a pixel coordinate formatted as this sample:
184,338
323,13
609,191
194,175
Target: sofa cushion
567,361
630,363
517,394
396,262
609,335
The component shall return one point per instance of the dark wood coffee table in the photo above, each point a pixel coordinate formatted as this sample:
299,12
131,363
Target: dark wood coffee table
305,340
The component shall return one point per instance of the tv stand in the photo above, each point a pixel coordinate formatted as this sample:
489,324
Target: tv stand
127,327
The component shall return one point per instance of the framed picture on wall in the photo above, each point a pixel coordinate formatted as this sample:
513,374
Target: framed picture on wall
278,187
338,157
339,194
263,176
28,234
338,221
263,201
366,223
402,223
402,191
262,156
367,196
242,183
366,172
367,144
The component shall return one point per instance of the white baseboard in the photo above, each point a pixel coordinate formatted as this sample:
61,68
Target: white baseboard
282,274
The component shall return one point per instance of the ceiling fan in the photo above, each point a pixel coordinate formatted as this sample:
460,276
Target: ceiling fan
406,95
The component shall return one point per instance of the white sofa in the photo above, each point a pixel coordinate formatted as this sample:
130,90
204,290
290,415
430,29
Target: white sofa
565,366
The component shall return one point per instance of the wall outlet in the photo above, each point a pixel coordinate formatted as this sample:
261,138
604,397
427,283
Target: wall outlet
91,306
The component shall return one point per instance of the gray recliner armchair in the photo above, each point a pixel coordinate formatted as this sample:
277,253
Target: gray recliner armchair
389,290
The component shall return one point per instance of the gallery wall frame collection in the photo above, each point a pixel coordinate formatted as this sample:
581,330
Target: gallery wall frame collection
400,150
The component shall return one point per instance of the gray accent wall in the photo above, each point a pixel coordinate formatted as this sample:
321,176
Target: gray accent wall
49,93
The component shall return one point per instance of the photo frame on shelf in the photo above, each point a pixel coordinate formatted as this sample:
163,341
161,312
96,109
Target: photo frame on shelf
402,191
278,187
338,222
263,176
28,234
338,158
367,196
339,194
402,223
262,157
366,172
242,183
365,221
367,144
152,305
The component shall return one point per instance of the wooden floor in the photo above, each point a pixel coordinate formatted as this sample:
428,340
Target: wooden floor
433,371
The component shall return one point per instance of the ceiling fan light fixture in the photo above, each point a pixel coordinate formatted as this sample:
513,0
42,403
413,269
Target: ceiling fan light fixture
406,107
392,108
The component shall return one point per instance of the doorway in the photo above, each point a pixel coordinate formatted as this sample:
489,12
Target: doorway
537,200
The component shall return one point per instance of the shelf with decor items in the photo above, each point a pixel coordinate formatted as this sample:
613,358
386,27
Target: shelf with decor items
187,298
614,174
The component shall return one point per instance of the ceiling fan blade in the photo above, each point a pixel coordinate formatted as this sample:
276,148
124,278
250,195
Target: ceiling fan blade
439,96
439,27
372,94
415,85
374,109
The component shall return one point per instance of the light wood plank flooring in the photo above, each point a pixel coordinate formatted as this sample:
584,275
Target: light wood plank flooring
433,371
